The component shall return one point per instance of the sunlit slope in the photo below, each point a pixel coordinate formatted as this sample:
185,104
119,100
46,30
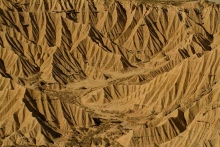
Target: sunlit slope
109,73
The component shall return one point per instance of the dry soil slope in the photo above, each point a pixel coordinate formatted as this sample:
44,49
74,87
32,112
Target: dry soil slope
170,100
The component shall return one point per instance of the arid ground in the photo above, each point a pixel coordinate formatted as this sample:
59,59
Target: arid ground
105,73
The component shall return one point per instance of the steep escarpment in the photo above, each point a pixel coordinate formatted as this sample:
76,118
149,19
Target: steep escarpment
109,73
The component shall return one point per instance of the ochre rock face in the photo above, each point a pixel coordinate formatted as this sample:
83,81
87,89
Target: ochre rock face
109,73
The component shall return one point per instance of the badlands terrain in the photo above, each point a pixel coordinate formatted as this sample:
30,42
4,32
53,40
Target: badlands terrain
101,73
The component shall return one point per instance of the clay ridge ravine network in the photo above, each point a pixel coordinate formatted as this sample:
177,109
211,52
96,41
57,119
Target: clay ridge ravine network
109,73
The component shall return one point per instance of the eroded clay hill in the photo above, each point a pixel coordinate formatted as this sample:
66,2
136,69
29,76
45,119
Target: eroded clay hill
108,73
